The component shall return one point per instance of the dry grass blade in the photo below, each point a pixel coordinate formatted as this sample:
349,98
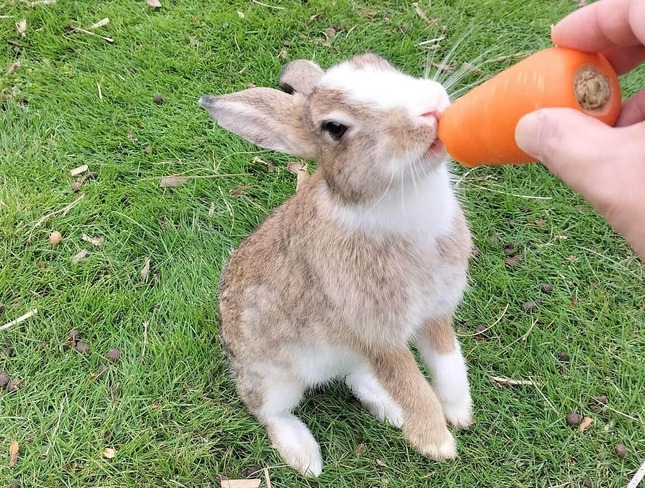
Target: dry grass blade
638,477
21,27
267,479
42,2
90,33
56,427
172,181
20,319
81,169
79,256
145,271
482,331
268,6
100,23
509,381
13,453
423,15
62,211
145,338
95,241
528,197
13,68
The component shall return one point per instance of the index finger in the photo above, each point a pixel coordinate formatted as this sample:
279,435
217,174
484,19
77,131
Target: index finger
602,25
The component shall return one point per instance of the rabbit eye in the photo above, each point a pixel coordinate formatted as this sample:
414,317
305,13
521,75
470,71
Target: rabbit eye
336,130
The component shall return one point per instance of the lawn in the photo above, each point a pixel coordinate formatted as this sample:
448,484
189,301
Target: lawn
559,295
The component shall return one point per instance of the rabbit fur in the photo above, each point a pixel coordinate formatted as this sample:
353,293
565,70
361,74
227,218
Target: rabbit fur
370,255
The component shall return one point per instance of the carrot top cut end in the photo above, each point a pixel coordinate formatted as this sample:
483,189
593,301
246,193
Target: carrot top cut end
592,88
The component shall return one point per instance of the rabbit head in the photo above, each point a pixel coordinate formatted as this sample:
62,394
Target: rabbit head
369,126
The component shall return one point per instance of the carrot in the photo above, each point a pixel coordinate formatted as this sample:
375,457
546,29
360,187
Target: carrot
479,128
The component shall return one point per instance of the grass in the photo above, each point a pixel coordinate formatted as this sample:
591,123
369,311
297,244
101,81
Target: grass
168,407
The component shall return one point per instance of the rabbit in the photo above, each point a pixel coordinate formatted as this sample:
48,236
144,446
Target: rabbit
368,256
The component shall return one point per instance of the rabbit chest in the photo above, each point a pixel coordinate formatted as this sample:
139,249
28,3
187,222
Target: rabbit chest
392,269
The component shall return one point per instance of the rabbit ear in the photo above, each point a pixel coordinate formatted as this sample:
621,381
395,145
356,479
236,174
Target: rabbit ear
266,117
300,76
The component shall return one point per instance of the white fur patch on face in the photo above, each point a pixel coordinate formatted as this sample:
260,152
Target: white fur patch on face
387,89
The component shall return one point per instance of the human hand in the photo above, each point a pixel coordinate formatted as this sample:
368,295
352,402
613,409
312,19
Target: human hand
604,164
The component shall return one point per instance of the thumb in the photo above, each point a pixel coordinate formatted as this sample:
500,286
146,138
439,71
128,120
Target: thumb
564,139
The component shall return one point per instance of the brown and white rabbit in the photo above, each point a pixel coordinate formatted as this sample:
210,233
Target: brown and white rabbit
369,255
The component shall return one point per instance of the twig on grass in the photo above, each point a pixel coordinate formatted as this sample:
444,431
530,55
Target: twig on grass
640,474
63,211
268,6
20,319
90,33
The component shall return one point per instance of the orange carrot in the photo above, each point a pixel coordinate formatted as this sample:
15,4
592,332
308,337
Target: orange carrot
479,128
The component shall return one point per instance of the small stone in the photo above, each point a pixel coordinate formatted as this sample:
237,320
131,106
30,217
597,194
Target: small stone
480,333
14,385
546,288
4,379
621,450
82,347
14,484
601,399
597,403
509,249
587,484
55,238
330,32
573,419
113,355
530,306
158,98
562,356
74,335
76,186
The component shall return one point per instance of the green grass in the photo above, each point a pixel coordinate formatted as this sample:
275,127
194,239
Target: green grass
171,412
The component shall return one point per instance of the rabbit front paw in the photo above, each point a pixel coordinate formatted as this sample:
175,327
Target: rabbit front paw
458,412
435,444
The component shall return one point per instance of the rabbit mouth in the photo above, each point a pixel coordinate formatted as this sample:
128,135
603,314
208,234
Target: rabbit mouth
436,149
